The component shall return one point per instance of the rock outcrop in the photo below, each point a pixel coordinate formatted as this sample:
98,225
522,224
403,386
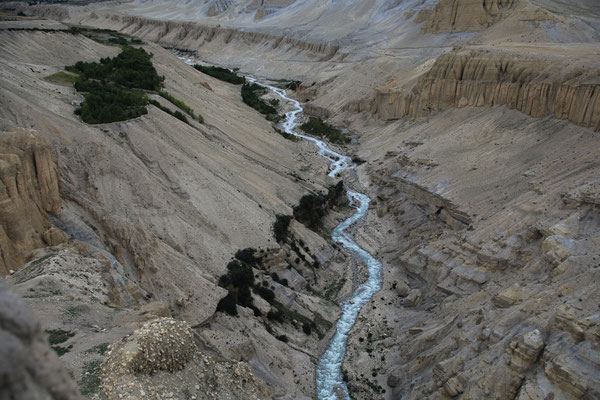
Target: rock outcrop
28,193
450,16
475,78
29,368
163,360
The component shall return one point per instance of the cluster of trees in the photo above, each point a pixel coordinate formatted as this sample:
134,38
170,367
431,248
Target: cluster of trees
239,281
113,88
132,68
223,74
316,127
251,93
313,207
112,104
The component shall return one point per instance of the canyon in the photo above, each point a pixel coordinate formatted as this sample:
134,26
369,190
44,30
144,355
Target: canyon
474,127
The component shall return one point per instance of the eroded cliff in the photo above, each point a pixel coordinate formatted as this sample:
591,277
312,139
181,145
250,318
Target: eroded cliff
450,16
487,78
28,193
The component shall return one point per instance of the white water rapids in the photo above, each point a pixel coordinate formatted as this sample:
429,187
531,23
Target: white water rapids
329,378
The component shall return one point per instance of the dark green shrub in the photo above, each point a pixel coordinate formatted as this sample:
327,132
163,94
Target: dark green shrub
181,116
237,281
280,227
179,103
306,328
246,255
287,136
282,338
251,95
223,74
265,293
132,68
228,304
311,209
109,85
275,316
317,127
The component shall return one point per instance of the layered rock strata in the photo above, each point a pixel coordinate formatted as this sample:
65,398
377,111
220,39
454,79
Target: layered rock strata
476,78
451,16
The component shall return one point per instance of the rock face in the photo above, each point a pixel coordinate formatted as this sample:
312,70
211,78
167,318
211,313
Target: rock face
193,36
28,192
29,368
534,87
451,16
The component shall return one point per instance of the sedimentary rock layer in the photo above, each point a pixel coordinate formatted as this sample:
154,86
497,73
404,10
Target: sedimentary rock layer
534,87
451,16
28,192
193,36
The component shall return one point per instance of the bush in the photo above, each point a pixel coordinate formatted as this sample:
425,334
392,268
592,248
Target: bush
223,74
228,304
282,338
237,281
176,114
317,127
246,255
179,103
275,316
287,136
265,293
181,116
311,209
306,328
200,118
250,96
280,227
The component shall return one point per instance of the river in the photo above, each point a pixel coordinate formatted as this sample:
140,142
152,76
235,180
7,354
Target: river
329,378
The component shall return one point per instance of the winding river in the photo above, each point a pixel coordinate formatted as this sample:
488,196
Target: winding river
329,379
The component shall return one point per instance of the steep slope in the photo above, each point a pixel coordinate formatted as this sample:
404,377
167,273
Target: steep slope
154,208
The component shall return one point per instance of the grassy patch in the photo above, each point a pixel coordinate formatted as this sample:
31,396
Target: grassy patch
101,349
179,103
73,312
58,336
90,378
62,77
223,74
177,114
317,127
